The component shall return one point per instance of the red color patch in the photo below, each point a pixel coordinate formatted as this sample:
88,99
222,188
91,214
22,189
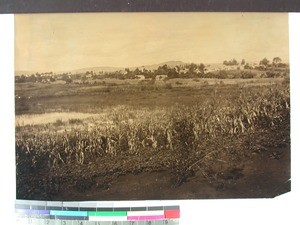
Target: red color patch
172,214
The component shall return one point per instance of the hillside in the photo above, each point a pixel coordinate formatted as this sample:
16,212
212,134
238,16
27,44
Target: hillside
107,68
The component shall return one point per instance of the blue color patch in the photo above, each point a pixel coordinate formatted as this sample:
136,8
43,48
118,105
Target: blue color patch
68,213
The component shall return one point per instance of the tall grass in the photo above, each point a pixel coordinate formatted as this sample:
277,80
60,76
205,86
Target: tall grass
180,132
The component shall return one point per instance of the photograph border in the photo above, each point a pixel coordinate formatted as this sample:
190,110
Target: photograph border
58,6
281,210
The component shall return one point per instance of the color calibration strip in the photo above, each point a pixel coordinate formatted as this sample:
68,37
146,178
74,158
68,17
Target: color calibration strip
93,213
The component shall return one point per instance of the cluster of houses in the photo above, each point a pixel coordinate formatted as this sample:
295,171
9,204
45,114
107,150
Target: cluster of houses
136,74
41,78
218,67
157,77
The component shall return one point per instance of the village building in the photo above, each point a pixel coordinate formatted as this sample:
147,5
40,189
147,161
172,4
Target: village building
161,77
140,77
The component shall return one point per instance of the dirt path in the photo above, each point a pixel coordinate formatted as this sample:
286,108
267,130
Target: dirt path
266,175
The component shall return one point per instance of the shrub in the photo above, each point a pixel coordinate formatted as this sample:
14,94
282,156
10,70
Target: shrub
286,80
222,74
247,75
168,86
59,122
75,121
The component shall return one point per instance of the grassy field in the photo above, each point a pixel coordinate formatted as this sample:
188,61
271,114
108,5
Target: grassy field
108,129
33,98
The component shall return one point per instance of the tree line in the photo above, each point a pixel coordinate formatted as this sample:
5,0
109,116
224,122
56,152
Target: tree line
188,70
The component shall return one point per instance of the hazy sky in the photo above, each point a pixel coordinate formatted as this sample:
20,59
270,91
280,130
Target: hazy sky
59,42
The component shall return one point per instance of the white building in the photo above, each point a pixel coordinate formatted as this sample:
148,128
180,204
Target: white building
161,77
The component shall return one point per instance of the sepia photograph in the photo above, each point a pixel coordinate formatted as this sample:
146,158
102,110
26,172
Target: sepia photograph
152,106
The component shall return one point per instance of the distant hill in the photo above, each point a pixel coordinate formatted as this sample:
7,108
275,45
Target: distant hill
24,72
97,69
108,69
171,64
112,69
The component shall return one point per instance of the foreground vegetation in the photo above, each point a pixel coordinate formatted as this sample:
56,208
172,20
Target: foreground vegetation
218,130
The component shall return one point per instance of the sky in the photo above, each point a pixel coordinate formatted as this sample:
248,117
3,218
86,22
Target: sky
61,42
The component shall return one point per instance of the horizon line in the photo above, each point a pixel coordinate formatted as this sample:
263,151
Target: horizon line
123,67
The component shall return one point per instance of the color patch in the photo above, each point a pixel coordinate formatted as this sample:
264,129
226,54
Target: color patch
118,213
146,213
107,218
172,214
32,212
68,213
143,218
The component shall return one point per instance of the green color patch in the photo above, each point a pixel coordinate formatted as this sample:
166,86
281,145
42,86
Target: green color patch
119,213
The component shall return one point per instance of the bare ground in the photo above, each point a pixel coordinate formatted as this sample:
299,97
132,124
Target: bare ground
263,176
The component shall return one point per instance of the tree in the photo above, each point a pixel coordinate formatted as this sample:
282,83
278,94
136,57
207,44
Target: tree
52,79
84,79
264,62
69,80
137,71
32,78
201,68
232,62
243,62
172,73
192,67
247,66
165,67
162,70
276,60
127,71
